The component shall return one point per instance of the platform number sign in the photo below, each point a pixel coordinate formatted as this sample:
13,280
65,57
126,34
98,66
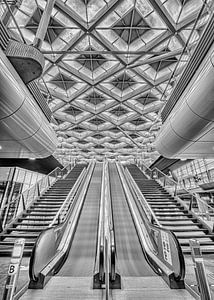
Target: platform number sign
166,247
13,268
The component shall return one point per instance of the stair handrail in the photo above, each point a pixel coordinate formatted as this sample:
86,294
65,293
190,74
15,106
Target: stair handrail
154,175
22,203
70,195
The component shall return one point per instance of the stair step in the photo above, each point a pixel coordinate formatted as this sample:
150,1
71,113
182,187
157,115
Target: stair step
192,235
166,210
171,213
160,203
53,197
31,218
42,209
8,252
30,224
49,202
25,229
173,225
18,235
11,243
40,214
156,204
184,218
45,206
187,229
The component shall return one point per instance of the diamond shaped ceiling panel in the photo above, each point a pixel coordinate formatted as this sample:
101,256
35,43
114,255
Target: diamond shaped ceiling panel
119,111
63,81
137,121
72,111
123,82
131,27
110,66
91,61
95,98
96,121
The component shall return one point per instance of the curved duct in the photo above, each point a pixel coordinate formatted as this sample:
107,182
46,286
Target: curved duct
188,131
25,131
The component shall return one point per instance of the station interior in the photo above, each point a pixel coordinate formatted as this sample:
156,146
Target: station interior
106,149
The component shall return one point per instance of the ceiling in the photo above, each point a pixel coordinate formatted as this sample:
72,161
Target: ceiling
110,68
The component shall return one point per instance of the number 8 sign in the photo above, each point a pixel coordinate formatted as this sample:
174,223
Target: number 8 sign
13,268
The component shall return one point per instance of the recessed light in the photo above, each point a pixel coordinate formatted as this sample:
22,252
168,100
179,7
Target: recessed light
31,158
0,147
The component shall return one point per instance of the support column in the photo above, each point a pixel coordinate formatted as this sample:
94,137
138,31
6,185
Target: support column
43,24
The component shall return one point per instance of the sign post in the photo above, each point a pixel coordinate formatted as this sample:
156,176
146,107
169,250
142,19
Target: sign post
13,269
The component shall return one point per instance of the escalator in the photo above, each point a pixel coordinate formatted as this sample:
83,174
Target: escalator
138,274
73,278
39,215
131,260
80,261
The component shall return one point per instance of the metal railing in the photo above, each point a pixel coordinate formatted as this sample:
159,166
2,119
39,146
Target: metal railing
193,202
62,212
16,206
200,271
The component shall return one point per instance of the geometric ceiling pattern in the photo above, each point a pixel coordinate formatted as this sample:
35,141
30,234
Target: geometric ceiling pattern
110,67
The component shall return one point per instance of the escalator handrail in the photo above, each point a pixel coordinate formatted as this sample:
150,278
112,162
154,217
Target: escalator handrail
99,260
150,226
70,195
105,258
110,229
59,229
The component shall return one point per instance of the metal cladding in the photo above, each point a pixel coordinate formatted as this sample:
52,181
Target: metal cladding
188,131
25,131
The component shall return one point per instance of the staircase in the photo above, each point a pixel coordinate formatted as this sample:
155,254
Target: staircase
39,215
172,214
